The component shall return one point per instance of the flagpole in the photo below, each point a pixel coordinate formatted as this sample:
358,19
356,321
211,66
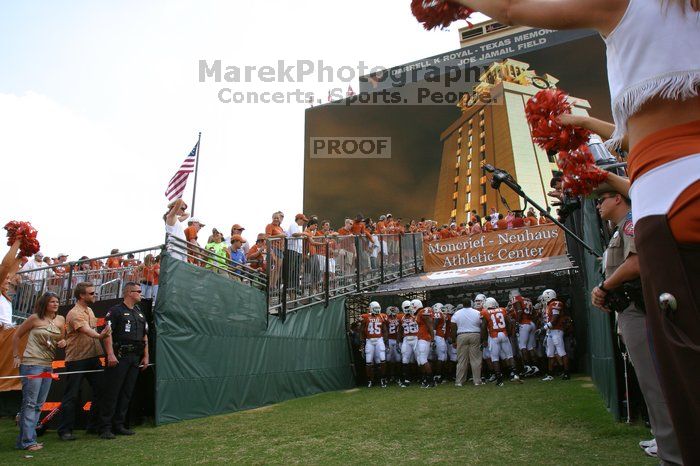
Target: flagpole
196,169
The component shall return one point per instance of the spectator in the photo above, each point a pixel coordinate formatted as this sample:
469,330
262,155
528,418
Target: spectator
544,220
236,229
476,228
295,251
45,330
114,262
330,238
453,230
488,226
148,273
83,351
192,231
315,247
530,219
31,265
275,235
156,277
501,224
218,247
257,255
237,254
61,269
173,217
130,261
5,304
493,215
518,219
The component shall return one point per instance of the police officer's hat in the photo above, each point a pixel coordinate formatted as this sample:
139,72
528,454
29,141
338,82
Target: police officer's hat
604,188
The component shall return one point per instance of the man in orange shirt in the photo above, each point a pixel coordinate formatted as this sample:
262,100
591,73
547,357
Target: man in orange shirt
501,224
114,262
257,254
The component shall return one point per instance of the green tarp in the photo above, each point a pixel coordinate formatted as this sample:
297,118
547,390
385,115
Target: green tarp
216,352
601,350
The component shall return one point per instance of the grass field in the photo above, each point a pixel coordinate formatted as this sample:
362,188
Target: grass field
535,423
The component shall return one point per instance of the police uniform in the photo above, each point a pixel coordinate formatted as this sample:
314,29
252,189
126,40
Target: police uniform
632,325
129,328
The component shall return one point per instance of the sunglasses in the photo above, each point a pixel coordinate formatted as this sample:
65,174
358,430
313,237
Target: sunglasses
91,294
136,291
602,199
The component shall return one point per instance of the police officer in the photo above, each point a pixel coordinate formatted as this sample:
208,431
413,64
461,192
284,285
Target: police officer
619,292
126,349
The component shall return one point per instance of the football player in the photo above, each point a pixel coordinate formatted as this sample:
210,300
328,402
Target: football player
499,345
478,304
374,337
393,351
408,339
554,325
526,334
426,336
440,345
451,362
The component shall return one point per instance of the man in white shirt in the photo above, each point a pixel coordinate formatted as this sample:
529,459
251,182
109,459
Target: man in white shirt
466,329
173,226
295,250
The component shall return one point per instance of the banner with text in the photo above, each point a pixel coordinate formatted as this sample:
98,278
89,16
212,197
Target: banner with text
494,248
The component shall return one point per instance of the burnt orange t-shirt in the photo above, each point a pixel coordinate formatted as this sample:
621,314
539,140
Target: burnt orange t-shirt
114,263
488,226
502,224
190,233
272,230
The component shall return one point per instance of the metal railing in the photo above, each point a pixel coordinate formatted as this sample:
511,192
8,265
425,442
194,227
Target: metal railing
306,270
294,272
62,278
223,265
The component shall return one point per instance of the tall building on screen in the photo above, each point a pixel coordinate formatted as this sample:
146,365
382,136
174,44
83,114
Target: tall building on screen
496,133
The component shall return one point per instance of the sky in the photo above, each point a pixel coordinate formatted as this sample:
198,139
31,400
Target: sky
101,101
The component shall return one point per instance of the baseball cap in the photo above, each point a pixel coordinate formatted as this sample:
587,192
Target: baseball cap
193,220
301,216
237,238
236,226
262,236
62,254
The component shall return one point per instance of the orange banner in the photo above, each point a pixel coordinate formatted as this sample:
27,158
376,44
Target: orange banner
494,247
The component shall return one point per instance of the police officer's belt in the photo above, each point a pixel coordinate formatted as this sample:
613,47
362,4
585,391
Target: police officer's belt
126,348
629,293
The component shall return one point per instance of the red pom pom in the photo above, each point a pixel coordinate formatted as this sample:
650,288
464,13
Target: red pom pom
541,112
580,174
26,234
434,13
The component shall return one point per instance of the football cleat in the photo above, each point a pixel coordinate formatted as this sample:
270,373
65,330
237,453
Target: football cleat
382,382
515,378
565,376
651,451
535,370
547,378
458,385
491,379
404,383
644,444
369,384
499,382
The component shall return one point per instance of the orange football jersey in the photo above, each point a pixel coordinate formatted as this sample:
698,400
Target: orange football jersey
373,325
423,330
441,323
556,307
495,321
393,323
410,325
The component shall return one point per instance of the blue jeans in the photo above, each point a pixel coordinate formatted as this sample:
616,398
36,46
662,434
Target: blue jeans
34,392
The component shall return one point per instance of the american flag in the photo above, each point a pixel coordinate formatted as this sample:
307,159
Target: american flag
177,183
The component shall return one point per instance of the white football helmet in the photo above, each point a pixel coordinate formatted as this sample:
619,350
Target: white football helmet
548,295
416,305
375,308
478,301
449,309
490,303
438,307
392,310
406,306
